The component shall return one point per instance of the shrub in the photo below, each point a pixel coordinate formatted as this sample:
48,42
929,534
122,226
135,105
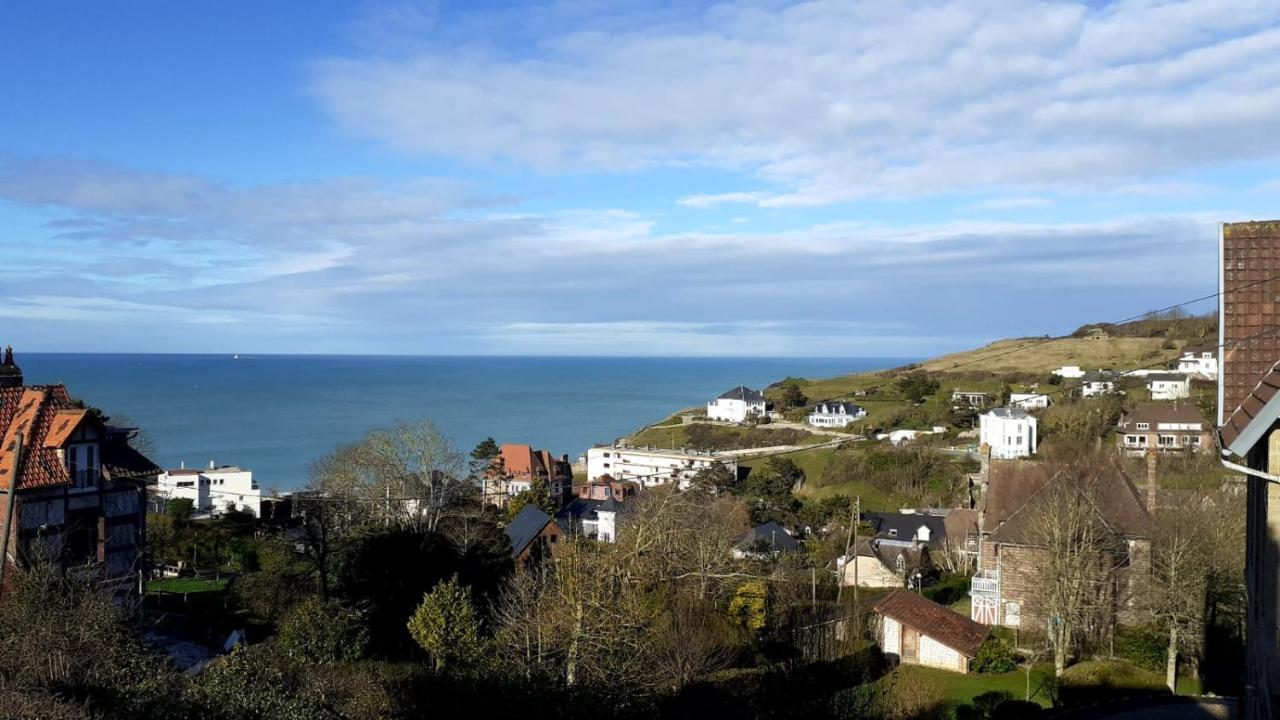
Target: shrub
994,656
1143,645
447,626
1017,710
319,631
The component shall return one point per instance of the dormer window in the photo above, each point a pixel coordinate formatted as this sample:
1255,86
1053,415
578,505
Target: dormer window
893,533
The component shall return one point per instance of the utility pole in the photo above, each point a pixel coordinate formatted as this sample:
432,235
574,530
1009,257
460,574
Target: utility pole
813,586
11,496
851,537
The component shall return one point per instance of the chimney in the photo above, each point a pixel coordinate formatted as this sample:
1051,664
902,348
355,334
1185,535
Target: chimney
10,373
210,464
1248,345
1152,462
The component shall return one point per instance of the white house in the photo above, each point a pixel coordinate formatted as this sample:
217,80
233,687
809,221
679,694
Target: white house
1097,382
1010,432
1169,386
1069,372
737,405
651,466
917,631
1201,360
969,398
214,490
835,414
1029,401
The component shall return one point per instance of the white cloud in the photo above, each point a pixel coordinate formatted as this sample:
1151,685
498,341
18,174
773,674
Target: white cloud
834,101
705,201
1014,202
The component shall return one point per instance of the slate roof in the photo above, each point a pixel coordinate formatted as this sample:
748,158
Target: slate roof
742,392
1099,376
837,408
906,525
1008,413
933,620
770,535
525,528
1166,377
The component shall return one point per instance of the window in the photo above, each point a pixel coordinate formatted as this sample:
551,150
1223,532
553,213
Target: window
1135,440
1191,440
1168,440
1144,426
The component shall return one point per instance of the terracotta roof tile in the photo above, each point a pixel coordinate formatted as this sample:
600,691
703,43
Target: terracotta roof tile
936,621
1252,405
33,411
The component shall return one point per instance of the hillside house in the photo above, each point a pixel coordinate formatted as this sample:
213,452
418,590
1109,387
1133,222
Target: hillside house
970,399
214,490
1199,361
518,466
1249,418
1011,546
651,467
532,534
914,630
79,486
591,518
835,414
1169,386
1099,382
766,541
1010,432
1164,427
1029,401
907,542
737,405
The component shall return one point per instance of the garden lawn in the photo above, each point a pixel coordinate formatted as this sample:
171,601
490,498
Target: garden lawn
186,585
960,688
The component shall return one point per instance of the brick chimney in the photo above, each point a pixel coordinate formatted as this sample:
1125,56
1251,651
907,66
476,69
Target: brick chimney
1248,310
1153,462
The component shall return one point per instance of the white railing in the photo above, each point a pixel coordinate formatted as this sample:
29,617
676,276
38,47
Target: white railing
985,583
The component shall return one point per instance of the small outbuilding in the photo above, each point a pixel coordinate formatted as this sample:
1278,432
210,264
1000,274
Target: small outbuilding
918,631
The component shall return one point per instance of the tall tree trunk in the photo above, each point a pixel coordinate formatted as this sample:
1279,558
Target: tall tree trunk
1171,666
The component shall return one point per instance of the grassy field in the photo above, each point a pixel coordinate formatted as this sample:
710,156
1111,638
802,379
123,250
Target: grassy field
952,687
1040,356
186,585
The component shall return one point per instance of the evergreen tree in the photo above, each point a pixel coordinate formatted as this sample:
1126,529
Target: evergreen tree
447,626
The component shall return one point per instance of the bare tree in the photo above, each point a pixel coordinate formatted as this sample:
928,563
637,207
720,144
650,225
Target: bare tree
1077,554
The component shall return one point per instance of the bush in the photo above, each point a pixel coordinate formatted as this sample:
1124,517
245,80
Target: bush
317,631
1017,710
995,656
1143,645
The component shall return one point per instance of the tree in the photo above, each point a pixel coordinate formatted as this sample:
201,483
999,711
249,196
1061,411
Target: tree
715,478
321,632
447,626
482,457
792,396
1077,551
916,385
180,509
538,495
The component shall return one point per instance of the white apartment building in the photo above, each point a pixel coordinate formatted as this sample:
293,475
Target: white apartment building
1169,386
1069,371
1029,401
737,405
1010,432
835,414
651,466
213,490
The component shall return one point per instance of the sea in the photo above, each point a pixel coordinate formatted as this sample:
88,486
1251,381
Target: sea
277,414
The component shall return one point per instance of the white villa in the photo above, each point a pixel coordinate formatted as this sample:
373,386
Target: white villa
737,405
1010,432
213,490
651,466
835,414
1029,401
1201,360
1169,386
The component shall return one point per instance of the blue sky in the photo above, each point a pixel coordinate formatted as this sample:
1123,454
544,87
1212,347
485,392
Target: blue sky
754,178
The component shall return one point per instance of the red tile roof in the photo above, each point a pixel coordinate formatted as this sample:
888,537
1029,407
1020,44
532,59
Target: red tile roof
1251,347
35,412
936,621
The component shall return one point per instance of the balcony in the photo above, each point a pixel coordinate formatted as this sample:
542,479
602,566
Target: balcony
985,583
